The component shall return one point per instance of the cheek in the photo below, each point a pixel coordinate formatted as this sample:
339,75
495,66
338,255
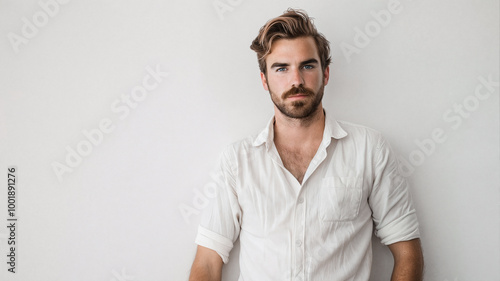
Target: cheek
321,79
314,80
275,85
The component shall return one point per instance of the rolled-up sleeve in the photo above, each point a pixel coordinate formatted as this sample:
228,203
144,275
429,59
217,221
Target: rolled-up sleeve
220,223
390,199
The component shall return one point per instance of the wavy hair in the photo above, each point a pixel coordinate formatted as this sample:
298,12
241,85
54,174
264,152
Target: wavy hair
292,24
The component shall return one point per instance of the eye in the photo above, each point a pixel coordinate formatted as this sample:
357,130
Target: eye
281,69
308,66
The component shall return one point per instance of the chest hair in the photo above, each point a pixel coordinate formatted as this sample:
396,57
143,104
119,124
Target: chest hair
296,161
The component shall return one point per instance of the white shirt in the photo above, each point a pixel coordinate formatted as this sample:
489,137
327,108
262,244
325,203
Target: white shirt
320,229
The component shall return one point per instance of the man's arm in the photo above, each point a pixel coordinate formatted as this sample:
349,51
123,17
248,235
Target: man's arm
207,265
408,261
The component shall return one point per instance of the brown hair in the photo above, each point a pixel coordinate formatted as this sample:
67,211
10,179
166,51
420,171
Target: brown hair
292,24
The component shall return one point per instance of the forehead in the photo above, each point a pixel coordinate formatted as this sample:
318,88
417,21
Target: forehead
292,50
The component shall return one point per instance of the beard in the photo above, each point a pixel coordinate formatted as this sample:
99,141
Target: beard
300,109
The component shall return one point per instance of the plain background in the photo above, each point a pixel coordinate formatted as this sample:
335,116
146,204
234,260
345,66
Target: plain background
118,214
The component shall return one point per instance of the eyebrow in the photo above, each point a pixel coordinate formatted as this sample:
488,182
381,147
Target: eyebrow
281,64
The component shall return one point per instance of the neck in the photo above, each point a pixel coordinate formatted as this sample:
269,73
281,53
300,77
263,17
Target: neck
292,132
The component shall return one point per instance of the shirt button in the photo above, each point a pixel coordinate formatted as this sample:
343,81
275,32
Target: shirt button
301,200
298,243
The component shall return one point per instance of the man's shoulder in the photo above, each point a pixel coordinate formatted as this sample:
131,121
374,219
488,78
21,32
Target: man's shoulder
243,143
254,141
240,147
357,130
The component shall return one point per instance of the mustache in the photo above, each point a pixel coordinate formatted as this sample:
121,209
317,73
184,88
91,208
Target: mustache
298,90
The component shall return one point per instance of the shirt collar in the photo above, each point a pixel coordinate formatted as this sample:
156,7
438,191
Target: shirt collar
332,130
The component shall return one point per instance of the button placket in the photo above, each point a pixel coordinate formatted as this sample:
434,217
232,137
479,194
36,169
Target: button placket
299,232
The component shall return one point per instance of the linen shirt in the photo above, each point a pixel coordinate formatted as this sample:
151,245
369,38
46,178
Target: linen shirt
320,229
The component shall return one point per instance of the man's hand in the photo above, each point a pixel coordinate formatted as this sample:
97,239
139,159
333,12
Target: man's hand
207,265
408,261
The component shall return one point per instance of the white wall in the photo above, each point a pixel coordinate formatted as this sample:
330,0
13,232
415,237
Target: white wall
115,214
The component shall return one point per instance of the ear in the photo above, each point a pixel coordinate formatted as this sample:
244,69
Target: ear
264,81
326,75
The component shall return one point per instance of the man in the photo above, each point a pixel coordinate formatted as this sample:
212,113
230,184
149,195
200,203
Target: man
304,194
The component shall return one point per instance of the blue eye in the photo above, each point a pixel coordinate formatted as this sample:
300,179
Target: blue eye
308,67
280,69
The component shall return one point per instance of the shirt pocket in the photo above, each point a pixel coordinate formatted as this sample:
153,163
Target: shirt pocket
340,198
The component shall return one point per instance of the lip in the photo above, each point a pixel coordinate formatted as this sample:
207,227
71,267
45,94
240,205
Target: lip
296,97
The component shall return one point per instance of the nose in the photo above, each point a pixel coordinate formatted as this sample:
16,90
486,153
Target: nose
296,78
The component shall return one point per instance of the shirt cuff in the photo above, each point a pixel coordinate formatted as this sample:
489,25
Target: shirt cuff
214,241
403,229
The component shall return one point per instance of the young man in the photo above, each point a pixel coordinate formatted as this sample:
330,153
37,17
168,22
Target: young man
304,194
